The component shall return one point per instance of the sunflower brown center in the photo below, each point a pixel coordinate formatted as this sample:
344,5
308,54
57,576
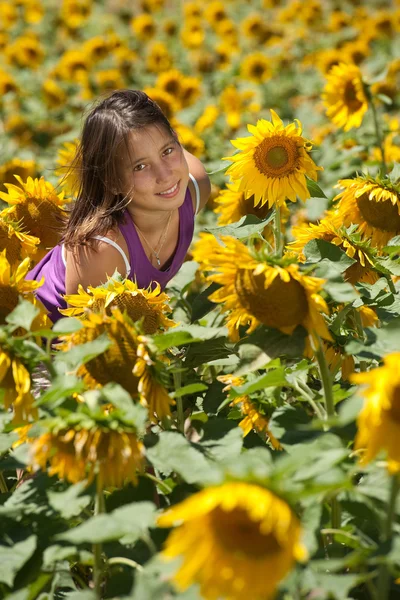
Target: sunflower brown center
41,219
11,245
247,207
276,156
237,533
394,410
258,70
137,307
8,301
350,97
282,304
383,215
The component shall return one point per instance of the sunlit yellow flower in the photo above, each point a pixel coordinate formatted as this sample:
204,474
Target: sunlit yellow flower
165,101
53,94
19,128
69,175
273,163
215,12
147,304
379,420
207,118
326,59
372,205
356,51
234,103
253,418
227,30
328,230
8,15
97,47
144,27
252,292
109,79
223,53
25,51
72,64
344,96
76,454
13,285
192,10
17,244
190,91
338,20
16,166
75,13
152,6
256,67
189,139
38,207
192,34
253,26
230,536
33,11
16,382
232,205
391,150
126,361
7,83
158,58
170,27
171,82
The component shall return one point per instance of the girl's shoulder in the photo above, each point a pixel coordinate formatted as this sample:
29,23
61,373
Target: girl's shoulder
197,170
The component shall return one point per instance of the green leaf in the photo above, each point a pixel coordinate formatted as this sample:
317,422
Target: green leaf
82,353
206,352
394,174
22,315
133,413
127,522
61,387
227,447
273,378
277,344
7,440
314,189
389,265
184,277
69,503
290,425
334,587
201,305
321,250
173,452
191,388
378,342
247,226
67,325
12,558
186,334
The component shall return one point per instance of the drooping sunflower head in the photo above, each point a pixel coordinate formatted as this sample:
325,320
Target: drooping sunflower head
37,206
373,205
146,305
329,230
17,244
379,420
229,536
16,382
254,292
344,96
273,163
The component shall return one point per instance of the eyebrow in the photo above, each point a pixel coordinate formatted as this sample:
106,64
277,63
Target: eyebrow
171,141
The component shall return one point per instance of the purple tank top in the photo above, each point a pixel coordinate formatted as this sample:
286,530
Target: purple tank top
52,266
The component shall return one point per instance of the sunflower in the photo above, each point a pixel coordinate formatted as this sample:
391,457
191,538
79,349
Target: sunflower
273,163
230,536
65,158
256,67
79,453
33,11
25,51
36,205
158,58
253,26
357,51
207,118
232,205
16,382
254,292
72,64
171,82
192,34
329,230
190,91
124,362
379,420
16,166
234,103
13,284
328,58
75,13
109,80
147,304
144,27
371,204
192,10
97,47
215,12
53,94
168,104
253,418
391,150
7,83
192,143
16,244
336,358
344,96
223,55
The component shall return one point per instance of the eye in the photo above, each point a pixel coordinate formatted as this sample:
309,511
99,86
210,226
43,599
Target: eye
138,167
168,151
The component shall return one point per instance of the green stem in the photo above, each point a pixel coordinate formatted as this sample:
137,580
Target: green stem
379,137
278,232
3,484
97,548
163,486
391,284
387,535
326,380
180,420
122,560
305,391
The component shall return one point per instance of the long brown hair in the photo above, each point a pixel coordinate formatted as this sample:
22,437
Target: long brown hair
98,207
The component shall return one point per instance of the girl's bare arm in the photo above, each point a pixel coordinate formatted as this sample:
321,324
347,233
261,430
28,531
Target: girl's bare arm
196,168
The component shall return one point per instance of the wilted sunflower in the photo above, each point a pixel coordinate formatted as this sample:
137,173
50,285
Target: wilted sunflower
16,382
17,244
253,418
230,537
122,362
273,163
329,230
76,453
253,292
379,420
13,284
344,96
147,304
371,204
38,208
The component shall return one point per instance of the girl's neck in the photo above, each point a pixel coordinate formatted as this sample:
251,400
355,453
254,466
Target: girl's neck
150,223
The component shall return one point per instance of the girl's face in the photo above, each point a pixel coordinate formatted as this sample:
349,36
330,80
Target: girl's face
154,173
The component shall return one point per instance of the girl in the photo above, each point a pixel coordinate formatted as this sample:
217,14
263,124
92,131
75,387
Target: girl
139,191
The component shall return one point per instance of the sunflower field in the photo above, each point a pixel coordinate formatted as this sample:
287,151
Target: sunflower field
237,435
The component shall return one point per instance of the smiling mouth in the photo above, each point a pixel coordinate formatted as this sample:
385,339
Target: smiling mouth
171,191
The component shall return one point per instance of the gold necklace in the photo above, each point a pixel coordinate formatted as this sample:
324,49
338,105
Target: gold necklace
156,251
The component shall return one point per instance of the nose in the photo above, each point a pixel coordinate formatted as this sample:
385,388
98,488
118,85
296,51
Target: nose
163,172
